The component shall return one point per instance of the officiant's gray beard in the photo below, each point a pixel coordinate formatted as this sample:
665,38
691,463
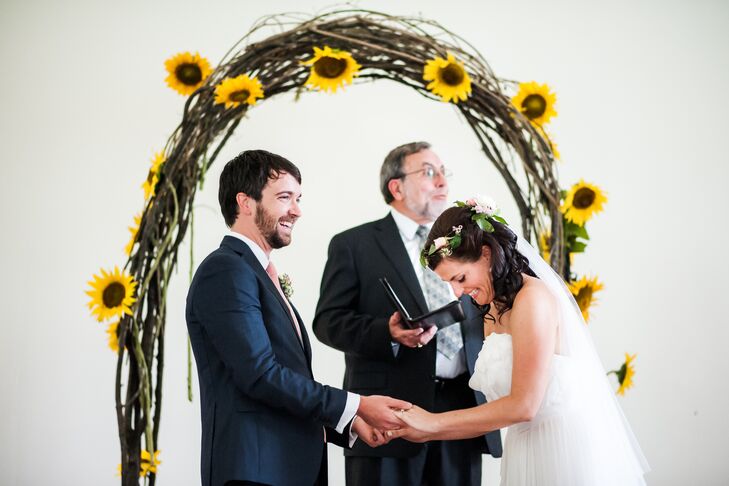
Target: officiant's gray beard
268,226
430,210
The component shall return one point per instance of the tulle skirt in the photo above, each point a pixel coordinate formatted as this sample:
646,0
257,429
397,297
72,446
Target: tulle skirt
565,448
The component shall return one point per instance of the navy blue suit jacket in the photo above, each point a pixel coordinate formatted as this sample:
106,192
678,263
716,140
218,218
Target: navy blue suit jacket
262,411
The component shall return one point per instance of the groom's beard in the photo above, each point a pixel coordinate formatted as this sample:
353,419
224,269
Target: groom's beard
270,229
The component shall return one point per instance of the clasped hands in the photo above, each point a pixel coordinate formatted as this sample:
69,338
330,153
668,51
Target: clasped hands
381,419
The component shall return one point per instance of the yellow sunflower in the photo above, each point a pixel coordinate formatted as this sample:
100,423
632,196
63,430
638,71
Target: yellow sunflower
150,184
331,69
148,464
448,78
625,374
584,291
544,247
111,294
536,102
187,72
237,91
582,201
113,336
133,230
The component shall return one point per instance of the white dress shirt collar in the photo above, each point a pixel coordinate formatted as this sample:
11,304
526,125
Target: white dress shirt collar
406,226
257,250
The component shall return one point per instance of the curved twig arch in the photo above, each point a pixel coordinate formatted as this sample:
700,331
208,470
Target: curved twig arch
387,47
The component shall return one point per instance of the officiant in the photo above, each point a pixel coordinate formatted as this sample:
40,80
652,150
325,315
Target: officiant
428,367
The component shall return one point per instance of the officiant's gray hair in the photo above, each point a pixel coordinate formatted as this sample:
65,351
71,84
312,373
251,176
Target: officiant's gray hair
392,166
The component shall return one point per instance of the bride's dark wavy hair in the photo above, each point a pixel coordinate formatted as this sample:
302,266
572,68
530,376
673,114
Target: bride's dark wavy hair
507,264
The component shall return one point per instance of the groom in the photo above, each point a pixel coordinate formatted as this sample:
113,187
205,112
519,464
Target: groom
263,415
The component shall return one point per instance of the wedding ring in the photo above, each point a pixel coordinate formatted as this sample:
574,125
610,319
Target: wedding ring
419,345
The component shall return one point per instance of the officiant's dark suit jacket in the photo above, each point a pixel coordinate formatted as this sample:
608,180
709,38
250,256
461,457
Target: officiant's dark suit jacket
352,316
262,411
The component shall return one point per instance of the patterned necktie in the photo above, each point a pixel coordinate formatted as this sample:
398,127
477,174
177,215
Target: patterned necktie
449,339
273,274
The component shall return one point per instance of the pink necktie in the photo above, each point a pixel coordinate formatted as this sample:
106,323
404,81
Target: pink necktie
273,274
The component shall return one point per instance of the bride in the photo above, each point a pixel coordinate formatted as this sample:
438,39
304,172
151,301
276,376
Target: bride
538,367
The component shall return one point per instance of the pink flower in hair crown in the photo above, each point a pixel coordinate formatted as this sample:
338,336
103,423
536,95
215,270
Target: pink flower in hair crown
483,205
484,212
440,242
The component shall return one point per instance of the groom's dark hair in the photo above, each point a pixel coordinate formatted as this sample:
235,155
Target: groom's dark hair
249,172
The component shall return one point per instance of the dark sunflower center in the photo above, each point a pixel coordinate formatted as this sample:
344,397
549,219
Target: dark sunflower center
189,74
621,373
584,297
150,176
329,67
584,198
534,106
239,96
452,74
113,295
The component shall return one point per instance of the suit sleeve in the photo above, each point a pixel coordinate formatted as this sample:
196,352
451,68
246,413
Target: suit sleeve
227,304
338,321
339,439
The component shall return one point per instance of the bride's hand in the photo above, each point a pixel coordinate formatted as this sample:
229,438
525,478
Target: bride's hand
421,425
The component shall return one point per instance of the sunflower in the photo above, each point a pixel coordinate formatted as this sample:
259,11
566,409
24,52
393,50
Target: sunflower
113,336
448,78
544,247
150,184
237,91
331,69
187,72
582,201
625,374
584,291
536,102
148,464
111,294
133,230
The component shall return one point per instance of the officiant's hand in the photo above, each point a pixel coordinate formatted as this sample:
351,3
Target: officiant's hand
412,338
377,411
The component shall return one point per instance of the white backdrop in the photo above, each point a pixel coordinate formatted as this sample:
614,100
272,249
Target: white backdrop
642,113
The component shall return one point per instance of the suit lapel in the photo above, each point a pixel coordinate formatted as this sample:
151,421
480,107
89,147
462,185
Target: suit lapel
242,249
304,337
388,237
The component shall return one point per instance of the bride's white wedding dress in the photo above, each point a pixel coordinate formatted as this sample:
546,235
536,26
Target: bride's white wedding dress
568,442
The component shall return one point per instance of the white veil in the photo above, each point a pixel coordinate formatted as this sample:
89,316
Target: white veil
611,427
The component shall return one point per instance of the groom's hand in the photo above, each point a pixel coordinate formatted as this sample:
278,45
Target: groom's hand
412,338
377,411
371,436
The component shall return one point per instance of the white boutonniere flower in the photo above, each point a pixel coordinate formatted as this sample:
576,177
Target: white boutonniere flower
285,281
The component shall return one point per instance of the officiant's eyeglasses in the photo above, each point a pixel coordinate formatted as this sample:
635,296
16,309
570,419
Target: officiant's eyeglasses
429,171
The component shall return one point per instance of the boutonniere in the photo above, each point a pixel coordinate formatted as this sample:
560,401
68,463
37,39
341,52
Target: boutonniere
285,281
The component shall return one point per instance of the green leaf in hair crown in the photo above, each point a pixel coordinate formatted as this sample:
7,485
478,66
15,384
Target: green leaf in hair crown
483,209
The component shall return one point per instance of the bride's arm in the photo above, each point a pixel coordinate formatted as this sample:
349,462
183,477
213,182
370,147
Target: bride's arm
533,329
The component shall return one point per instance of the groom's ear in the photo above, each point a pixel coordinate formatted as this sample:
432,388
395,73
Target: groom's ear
245,204
395,187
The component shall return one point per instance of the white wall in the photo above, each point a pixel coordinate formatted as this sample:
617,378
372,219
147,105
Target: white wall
643,110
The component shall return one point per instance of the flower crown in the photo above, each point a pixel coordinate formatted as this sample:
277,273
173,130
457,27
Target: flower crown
482,209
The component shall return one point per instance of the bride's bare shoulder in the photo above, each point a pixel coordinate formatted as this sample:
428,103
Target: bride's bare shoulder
534,297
